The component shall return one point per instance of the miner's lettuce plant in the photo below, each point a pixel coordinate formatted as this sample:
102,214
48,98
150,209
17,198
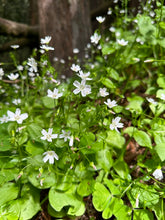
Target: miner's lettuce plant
97,136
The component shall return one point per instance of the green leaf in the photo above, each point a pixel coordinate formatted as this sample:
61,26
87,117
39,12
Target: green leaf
5,144
86,187
161,81
159,209
160,150
141,214
34,148
23,138
135,103
108,49
112,73
35,132
104,159
8,192
60,199
142,138
162,25
112,187
146,28
48,102
148,196
122,169
47,178
101,196
108,83
115,139
28,205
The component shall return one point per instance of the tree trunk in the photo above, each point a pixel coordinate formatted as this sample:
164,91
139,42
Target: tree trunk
81,24
55,21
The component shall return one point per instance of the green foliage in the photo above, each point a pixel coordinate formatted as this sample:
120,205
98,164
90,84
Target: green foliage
97,137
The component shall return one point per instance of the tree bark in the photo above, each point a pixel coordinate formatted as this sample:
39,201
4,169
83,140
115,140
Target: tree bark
55,21
16,29
81,24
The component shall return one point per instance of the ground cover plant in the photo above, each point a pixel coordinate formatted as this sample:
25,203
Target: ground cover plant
97,137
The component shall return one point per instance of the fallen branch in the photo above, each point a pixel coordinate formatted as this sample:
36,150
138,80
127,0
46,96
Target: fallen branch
8,27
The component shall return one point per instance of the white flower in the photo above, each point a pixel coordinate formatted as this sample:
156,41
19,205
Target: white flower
32,63
95,38
17,116
82,87
112,29
76,50
13,76
46,40
103,92
75,68
162,97
20,67
48,135
46,47
62,61
16,101
115,124
65,135
109,12
14,46
100,19
151,101
4,119
110,103
158,174
50,155
84,76
71,141
122,42
1,73
54,94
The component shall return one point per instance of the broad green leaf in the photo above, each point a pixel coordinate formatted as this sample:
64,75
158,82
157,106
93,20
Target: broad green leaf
135,103
146,28
101,197
28,205
112,187
161,81
35,132
148,196
60,199
159,209
5,144
160,150
8,192
112,73
130,131
122,169
48,102
104,159
157,109
115,205
8,175
23,138
108,49
115,139
162,25
160,92
86,187
108,83
34,148
56,214
141,214
42,181
142,138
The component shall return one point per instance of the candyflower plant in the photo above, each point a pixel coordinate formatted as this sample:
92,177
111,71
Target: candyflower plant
98,137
